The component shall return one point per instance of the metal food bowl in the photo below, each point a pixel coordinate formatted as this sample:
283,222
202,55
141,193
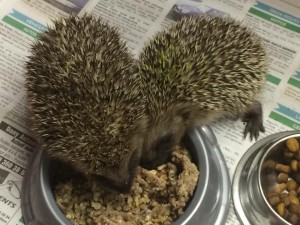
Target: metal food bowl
209,205
253,179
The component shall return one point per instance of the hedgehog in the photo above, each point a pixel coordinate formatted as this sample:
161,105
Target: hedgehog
196,72
86,100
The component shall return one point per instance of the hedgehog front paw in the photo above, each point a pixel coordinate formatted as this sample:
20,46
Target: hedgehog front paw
254,121
253,126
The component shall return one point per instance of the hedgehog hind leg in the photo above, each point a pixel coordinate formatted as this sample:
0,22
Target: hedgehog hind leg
254,121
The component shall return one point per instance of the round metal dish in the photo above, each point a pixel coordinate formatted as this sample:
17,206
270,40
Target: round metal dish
247,192
209,205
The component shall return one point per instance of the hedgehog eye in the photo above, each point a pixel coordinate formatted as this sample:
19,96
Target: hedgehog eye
164,143
184,113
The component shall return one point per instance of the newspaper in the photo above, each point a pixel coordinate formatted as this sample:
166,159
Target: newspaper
21,21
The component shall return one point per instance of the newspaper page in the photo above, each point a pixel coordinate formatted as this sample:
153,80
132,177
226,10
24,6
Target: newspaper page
21,21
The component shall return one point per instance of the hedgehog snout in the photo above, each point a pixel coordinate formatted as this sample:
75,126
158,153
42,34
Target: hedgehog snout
121,180
164,132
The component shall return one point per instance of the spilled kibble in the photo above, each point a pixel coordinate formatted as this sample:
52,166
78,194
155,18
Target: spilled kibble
157,197
284,197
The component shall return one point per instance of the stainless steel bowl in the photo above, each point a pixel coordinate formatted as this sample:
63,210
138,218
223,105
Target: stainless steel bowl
252,181
209,205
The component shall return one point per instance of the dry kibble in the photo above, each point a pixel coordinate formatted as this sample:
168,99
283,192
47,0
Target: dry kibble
294,200
293,218
288,154
285,198
279,188
270,164
293,208
292,144
281,209
288,183
297,155
296,177
283,177
283,168
291,185
293,193
294,165
298,191
274,200
271,194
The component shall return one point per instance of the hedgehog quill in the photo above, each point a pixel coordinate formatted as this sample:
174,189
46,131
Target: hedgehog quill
86,101
196,72
98,111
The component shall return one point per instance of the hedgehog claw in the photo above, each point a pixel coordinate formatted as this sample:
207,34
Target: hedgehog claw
253,120
253,127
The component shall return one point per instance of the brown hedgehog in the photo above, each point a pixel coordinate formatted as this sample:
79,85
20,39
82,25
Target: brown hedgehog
86,101
195,72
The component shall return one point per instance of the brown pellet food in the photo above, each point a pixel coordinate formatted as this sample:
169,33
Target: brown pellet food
292,144
284,197
157,197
